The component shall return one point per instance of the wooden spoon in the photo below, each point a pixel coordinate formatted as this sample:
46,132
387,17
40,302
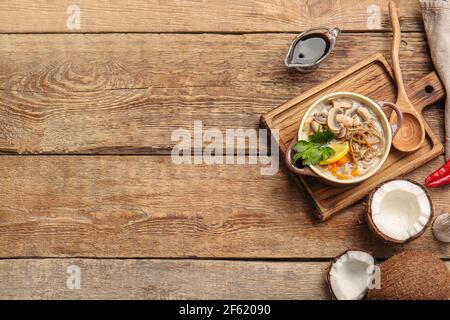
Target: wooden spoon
412,132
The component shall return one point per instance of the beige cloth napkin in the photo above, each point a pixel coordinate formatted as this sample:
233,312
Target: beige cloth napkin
436,17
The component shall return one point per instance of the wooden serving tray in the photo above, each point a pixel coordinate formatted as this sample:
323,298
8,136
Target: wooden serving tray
372,77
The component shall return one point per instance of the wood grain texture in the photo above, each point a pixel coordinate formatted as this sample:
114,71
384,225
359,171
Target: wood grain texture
87,93
162,279
30,16
145,206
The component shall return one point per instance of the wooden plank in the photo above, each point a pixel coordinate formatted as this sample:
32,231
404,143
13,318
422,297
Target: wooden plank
29,16
163,279
94,62
86,93
145,206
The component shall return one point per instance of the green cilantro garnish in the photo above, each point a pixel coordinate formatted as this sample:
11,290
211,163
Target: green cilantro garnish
322,137
313,151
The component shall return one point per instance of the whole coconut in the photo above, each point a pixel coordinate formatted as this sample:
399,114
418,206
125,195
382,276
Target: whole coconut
413,275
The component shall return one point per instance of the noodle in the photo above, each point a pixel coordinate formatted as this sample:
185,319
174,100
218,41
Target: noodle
365,139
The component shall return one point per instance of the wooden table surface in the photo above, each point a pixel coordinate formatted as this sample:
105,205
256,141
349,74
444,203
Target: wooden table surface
86,117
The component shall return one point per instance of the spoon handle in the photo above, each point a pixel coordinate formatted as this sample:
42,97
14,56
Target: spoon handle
396,49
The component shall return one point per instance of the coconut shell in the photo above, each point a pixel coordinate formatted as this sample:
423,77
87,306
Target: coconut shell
413,275
332,262
378,232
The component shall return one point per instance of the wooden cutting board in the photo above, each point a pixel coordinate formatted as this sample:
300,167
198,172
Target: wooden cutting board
372,77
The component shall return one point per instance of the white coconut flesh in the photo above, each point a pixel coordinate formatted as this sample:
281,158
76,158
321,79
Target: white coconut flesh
400,209
351,274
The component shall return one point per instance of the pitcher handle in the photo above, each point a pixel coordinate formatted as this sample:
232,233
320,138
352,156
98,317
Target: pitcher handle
394,127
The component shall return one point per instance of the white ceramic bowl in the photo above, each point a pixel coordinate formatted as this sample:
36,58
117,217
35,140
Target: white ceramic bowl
389,132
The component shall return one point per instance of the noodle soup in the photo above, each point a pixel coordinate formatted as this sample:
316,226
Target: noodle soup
360,140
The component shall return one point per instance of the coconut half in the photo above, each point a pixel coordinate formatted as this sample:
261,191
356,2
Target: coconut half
349,275
399,210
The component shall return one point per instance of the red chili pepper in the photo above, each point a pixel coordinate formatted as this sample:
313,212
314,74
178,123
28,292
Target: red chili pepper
440,177
439,182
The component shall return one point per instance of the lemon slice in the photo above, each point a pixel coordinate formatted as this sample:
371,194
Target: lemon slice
340,151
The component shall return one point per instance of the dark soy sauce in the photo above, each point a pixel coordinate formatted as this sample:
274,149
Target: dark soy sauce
310,49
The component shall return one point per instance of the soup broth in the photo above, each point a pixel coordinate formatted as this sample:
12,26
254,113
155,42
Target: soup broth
360,139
